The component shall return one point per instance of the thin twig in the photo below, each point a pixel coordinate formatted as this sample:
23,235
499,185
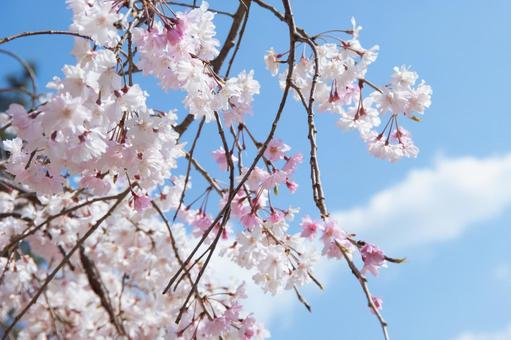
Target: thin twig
49,32
28,69
205,174
182,4
178,257
188,169
363,283
52,217
240,37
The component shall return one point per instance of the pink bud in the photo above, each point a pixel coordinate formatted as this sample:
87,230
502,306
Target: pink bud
378,303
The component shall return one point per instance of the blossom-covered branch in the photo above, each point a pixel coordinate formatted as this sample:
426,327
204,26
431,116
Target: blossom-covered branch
96,197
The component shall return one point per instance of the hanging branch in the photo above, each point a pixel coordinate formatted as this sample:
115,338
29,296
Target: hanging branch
264,146
66,258
99,288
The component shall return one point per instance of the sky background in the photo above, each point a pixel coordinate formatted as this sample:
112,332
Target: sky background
447,212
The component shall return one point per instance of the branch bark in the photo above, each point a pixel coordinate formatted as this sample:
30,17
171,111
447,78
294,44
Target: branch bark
48,32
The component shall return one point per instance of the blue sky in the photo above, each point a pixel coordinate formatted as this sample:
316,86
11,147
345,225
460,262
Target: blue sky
448,211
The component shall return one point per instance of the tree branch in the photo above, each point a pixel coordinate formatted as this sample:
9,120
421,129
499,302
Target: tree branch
98,287
230,40
49,32
66,258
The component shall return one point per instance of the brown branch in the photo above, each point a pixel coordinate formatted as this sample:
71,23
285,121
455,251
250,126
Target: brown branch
205,174
182,4
212,247
230,40
363,283
28,69
281,17
317,188
178,257
302,299
216,63
9,185
371,84
99,288
49,32
211,250
240,37
52,217
66,258
183,126
188,168
53,316
272,9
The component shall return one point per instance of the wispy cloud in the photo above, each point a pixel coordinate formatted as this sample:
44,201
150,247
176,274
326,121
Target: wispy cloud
429,205
502,334
434,204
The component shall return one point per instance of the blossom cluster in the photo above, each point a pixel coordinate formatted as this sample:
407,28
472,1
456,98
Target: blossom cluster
91,137
92,126
179,52
337,83
132,255
95,211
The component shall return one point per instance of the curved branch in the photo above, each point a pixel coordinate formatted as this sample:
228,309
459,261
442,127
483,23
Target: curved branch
52,217
28,69
66,258
49,32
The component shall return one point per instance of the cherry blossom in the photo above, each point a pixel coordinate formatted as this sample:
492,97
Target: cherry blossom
310,227
99,216
373,258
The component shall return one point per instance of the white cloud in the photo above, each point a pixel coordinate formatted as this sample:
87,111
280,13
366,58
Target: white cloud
503,334
434,204
429,205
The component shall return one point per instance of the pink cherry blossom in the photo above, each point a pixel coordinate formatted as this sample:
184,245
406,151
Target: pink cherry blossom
276,150
84,164
373,258
276,216
274,179
221,158
310,227
292,186
292,162
96,184
378,303
250,220
332,237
